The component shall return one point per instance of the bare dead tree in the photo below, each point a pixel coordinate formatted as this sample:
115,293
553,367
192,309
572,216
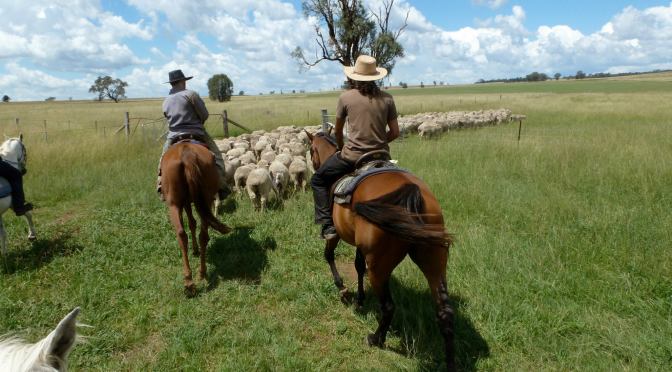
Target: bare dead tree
345,29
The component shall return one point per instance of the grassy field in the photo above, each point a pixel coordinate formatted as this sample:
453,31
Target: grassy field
562,258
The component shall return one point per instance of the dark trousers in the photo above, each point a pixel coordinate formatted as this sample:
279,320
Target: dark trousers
329,172
15,179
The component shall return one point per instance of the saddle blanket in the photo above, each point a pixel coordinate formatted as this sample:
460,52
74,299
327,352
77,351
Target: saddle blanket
5,188
346,185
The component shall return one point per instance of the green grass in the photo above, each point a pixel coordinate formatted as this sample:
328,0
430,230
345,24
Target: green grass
561,259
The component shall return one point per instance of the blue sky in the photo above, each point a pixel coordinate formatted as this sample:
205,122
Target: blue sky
57,48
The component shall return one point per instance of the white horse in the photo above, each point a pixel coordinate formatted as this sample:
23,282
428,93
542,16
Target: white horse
13,152
49,354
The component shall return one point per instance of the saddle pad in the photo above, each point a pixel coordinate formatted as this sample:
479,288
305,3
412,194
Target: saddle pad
347,184
5,188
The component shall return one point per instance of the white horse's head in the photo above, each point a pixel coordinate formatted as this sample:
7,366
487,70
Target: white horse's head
49,354
14,152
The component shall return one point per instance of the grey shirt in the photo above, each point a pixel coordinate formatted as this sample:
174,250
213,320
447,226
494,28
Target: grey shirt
186,113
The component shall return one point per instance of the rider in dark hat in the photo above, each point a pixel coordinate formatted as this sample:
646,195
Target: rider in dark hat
186,114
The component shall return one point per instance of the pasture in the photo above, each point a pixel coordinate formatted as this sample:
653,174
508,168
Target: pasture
562,257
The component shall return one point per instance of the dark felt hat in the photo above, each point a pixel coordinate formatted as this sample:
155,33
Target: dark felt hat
177,75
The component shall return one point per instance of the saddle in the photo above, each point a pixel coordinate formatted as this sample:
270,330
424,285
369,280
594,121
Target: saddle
5,188
374,162
188,138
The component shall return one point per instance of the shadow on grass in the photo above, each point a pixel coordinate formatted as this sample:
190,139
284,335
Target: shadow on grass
229,205
238,256
415,323
41,252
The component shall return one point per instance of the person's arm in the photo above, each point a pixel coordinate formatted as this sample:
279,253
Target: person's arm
393,133
199,106
339,132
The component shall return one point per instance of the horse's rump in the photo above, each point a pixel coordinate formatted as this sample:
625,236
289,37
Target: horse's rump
402,212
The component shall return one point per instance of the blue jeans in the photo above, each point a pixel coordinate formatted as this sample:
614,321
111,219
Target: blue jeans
331,171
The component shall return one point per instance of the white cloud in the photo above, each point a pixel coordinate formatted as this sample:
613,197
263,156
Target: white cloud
68,35
492,4
251,41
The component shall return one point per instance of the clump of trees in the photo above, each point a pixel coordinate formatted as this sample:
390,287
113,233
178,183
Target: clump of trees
346,29
106,87
5,98
220,88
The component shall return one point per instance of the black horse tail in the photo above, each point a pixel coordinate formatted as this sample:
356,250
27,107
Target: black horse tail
400,213
192,172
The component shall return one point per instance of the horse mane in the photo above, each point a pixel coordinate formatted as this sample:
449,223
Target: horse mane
48,354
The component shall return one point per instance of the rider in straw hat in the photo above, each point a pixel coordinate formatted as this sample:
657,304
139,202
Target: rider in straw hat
186,114
372,124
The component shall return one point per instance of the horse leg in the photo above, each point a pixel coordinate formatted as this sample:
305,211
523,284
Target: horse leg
176,220
360,266
380,268
432,262
31,227
204,238
3,238
329,249
192,228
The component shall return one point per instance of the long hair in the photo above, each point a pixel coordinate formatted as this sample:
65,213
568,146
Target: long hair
367,88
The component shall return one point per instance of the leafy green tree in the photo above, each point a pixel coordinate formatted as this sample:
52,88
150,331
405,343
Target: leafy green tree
5,98
580,75
106,87
346,29
241,93
220,88
557,76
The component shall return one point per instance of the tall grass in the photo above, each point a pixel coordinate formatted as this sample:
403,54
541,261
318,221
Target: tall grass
561,259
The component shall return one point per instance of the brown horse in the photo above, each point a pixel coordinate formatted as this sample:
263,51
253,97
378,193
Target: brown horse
391,215
189,175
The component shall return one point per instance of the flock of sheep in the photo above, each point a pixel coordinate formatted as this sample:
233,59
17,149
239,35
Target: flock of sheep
261,163
278,162
432,124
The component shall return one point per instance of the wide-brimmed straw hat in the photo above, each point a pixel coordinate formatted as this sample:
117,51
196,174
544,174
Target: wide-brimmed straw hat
176,75
365,69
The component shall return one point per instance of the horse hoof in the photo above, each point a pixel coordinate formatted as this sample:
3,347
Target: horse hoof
373,340
32,238
190,290
346,296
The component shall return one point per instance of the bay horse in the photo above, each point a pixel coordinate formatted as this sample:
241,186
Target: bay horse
390,215
14,153
189,175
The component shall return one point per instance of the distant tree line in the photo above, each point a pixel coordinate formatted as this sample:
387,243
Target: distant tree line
540,76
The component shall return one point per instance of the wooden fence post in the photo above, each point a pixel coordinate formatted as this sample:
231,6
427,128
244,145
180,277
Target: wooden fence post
324,121
17,124
225,123
45,132
127,126
520,127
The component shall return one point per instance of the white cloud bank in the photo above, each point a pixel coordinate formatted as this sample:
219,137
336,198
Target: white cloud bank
250,40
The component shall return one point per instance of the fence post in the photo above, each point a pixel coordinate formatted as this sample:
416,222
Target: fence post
127,126
17,124
324,121
520,126
225,123
45,132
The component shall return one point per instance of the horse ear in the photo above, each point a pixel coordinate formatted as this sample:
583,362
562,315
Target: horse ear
310,136
21,137
62,339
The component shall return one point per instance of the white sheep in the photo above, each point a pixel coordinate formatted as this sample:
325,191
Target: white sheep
248,158
234,153
298,174
230,167
279,176
240,176
429,129
268,155
285,159
259,186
